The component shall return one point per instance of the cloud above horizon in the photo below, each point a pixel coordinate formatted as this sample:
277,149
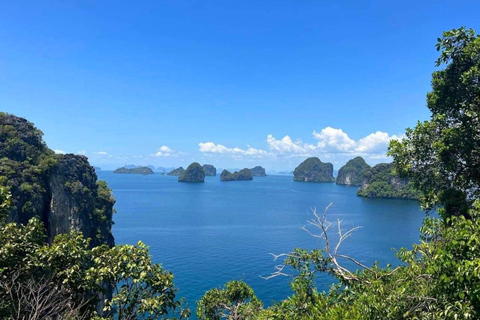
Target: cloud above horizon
329,142
165,151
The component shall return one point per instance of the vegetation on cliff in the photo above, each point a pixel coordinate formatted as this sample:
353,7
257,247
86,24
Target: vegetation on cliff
176,172
136,170
314,170
57,259
258,171
209,170
351,174
194,173
244,174
381,181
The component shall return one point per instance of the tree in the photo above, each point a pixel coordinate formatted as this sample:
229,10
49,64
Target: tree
236,301
442,155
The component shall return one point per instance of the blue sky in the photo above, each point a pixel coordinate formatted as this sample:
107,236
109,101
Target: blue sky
232,83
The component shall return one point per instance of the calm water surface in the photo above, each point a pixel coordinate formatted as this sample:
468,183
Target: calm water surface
210,233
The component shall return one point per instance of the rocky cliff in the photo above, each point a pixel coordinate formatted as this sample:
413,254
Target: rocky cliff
351,174
209,170
61,189
194,173
314,170
381,181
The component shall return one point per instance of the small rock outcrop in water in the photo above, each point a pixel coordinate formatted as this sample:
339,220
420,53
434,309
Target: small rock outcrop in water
381,181
176,172
61,189
258,171
351,174
209,170
194,173
244,174
138,170
314,170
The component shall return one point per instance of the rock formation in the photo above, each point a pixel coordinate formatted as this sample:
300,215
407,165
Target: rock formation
209,170
194,173
314,170
351,174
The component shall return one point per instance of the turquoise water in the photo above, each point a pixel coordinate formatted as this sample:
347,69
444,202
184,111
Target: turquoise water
210,233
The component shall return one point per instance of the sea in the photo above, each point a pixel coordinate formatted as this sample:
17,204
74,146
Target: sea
209,233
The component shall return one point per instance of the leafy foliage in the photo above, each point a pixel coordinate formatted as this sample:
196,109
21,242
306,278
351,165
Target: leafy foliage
236,301
442,155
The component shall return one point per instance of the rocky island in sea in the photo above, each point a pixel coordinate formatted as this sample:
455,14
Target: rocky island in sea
193,173
351,174
136,170
244,174
258,171
176,172
314,170
381,181
209,170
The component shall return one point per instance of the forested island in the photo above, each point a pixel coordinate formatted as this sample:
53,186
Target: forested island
210,170
351,174
193,173
135,170
258,171
244,174
314,170
176,172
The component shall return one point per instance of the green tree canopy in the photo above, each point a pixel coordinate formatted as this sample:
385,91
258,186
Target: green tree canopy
442,155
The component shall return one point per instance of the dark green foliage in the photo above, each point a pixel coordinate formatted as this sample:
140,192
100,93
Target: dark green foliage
209,170
176,172
235,301
352,173
381,181
258,171
313,170
139,170
244,174
194,173
441,155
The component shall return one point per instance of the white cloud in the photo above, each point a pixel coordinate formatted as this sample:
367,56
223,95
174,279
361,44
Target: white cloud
102,153
375,142
210,147
330,142
81,152
287,145
165,151
332,139
58,151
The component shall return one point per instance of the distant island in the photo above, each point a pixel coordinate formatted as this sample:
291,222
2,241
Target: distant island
258,171
244,174
381,181
137,170
351,174
176,172
314,170
209,170
97,168
194,173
